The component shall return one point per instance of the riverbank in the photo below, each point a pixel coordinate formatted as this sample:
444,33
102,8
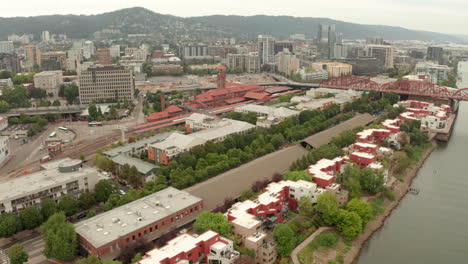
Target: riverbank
400,189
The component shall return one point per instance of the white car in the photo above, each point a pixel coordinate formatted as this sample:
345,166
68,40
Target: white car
122,192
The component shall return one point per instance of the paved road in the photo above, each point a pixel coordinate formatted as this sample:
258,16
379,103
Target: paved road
233,182
33,245
306,243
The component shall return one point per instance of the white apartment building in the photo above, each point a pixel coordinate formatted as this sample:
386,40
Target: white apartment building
74,59
334,69
246,62
59,178
115,51
99,83
136,53
268,115
45,36
288,63
7,47
189,249
266,49
88,49
437,72
49,81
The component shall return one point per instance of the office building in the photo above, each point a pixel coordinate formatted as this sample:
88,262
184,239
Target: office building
136,53
54,61
45,36
208,247
114,51
435,54
7,47
33,54
49,81
374,41
288,63
281,45
10,63
437,72
88,49
334,69
148,218
246,62
384,53
104,56
99,83
59,178
365,66
221,51
326,40
74,59
266,49
193,51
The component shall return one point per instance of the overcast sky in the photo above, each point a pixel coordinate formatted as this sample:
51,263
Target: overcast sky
445,16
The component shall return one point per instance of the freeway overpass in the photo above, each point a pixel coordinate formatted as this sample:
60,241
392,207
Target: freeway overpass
73,109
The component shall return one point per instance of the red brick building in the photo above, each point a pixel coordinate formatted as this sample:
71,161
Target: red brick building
107,235
362,159
374,136
323,172
171,111
223,96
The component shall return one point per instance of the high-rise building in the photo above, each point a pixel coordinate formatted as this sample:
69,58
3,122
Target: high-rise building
326,40
115,51
50,81
53,61
435,54
246,62
288,63
437,72
45,36
281,45
74,59
33,54
374,41
104,56
10,63
88,49
7,47
384,53
99,83
193,51
266,49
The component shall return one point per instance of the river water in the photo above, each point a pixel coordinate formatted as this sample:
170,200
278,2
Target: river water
432,227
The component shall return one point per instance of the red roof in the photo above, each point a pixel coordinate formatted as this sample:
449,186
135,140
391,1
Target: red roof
173,109
221,67
257,96
234,100
158,115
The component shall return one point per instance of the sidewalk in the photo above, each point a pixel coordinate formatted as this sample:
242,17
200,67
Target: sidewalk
307,242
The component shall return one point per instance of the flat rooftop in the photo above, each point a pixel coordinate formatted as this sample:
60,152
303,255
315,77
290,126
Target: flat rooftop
123,220
41,180
136,145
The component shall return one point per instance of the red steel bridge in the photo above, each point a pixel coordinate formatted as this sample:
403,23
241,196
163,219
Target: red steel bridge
406,87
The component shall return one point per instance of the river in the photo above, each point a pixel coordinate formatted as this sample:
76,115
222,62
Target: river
432,227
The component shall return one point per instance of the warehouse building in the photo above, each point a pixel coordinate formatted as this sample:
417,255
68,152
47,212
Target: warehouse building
146,219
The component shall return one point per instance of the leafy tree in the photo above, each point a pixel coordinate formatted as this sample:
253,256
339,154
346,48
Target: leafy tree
297,175
87,200
89,260
134,177
349,224
48,208
56,103
277,140
362,208
68,205
16,97
4,106
93,112
59,237
353,186
212,221
10,224
38,93
17,254
103,190
31,217
327,206
285,239
137,258
305,207
71,92
82,157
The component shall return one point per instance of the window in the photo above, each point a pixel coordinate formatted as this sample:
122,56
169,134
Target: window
133,237
151,229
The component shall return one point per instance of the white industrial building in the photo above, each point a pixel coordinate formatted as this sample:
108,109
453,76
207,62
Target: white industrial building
64,177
